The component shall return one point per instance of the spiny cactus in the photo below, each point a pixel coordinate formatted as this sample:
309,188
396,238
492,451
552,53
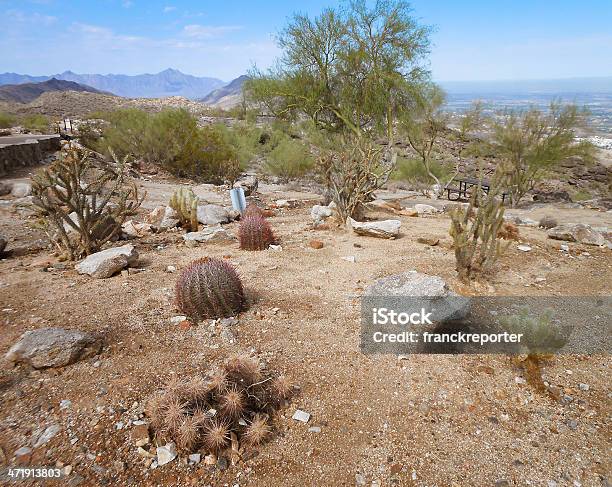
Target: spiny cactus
255,233
234,401
252,210
210,288
185,203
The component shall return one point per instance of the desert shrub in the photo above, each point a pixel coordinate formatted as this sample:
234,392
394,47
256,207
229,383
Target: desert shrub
475,231
289,159
172,139
230,406
82,203
548,222
255,232
508,231
6,120
185,203
415,174
36,123
352,174
209,288
581,195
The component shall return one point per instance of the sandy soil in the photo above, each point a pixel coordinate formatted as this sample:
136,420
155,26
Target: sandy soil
427,420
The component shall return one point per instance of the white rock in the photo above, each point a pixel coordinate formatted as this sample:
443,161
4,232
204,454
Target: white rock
301,416
165,454
314,429
47,435
577,232
170,269
320,213
349,258
282,203
276,248
195,458
524,248
426,209
21,190
107,262
214,214
136,229
381,229
214,234
177,319
169,220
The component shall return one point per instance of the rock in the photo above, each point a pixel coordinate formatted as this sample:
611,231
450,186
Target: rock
214,234
21,190
156,215
548,222
381,229
316,244
248,183
227,335
524,248
194,458
222,463
53,347
47,435
583,387
275,248
169,220
433,241
5,188
359,480
502,483
282,203
314,429
171,269
107,262
320,213
23,455
165,454
564,247
426,209
136,229
3,242
301,416
65,404
521,220
407,212
177,319
383,205
214,214
349,258
577,232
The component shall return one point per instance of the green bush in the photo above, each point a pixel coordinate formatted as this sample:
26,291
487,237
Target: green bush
289,159
6,120
172,139
413,171
35,123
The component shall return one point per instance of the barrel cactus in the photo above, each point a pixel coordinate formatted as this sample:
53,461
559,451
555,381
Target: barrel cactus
255,233
252,210
210,288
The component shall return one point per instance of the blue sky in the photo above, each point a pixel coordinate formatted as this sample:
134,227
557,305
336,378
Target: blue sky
473,40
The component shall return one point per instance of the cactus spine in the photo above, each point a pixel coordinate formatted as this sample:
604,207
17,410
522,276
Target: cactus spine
185,203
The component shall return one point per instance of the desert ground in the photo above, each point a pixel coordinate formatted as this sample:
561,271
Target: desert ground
376,420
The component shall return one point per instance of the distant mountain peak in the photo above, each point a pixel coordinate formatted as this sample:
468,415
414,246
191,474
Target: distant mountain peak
27,92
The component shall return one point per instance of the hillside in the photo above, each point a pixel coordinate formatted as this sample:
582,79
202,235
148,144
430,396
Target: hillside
228,96
169,82
27,92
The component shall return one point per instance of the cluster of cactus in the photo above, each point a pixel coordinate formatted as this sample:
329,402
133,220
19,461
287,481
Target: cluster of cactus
255,232
209,288
231,406
475,231
185,203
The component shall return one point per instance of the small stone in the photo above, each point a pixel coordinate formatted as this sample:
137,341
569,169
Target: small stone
524,248
314,429
165,454
276,248
564,247
65,404
144,453
552,483
316,244
359,479
426,209
177,319
300,415
47,435
170,269
583,387
432,241
572,424
519,380
502,483
540,279
194,458
210,460
222,463
349,258
23,455
227,335
67,470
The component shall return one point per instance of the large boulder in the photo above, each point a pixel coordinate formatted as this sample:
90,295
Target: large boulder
381,229
21,190
214,234
576,232
426,209
107,262
215,214
53,347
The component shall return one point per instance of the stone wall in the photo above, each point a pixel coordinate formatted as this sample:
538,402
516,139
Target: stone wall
26,152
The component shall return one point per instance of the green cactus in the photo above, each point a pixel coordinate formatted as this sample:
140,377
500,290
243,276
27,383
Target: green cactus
210,288
185,203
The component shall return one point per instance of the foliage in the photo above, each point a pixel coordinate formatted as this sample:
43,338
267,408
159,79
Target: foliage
255,232
414,172
242,395
185,203
36,123
289,159
6,120
209,288
352,174
472,119
531,143
475,231
83,203
351,69
424,125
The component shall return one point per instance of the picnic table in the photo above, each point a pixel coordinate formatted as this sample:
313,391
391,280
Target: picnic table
464,190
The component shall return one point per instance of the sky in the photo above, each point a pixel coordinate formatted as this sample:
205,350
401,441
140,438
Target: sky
472,39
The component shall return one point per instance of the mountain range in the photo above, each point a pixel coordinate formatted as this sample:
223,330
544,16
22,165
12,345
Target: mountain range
169,82
227,96
27,92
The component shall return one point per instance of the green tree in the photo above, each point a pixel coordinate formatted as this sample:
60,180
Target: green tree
532,143
472,119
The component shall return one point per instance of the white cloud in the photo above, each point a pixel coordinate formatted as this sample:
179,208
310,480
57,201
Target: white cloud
196,31
169,8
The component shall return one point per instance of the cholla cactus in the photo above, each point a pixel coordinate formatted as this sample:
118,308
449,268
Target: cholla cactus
255,233
210,288
185,203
